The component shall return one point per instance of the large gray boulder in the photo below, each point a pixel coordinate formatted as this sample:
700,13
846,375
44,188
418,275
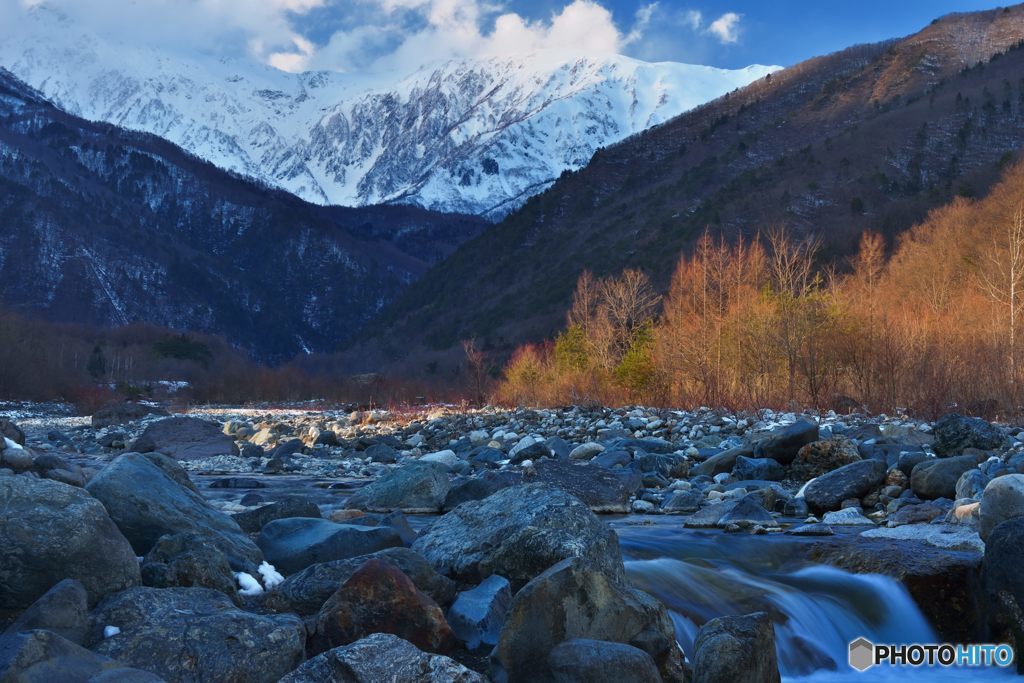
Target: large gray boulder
574,600
828,491
582,660
601,489
955,433
188,559
417,487
185,438
64,610
381,657
517,533
725,461
306,591
937,477
295,543
1002,500
41,656
52,531
736,648
146,498
196,634
784,443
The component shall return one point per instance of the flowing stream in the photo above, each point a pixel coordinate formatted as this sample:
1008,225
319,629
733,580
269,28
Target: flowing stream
817,610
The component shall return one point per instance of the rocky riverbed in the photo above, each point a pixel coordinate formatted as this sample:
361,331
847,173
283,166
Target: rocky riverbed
300,544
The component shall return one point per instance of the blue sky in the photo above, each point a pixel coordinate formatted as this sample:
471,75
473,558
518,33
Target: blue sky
370,36
779,32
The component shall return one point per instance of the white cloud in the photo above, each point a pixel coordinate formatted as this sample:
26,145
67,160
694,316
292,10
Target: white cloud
726,28
370,35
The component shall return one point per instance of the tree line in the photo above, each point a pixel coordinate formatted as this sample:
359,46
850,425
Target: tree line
930,323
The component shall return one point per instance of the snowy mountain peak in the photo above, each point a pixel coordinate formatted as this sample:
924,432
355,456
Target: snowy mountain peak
474,136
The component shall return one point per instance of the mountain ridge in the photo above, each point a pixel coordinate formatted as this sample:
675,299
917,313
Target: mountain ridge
464,136
871,137
105,226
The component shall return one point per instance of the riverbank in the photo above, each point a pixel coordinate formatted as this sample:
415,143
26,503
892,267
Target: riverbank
463,523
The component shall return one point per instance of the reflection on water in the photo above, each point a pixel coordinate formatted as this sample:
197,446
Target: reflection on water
817,610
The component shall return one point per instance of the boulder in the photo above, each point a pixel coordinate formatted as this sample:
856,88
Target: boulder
124,412
517,533
477,615
306,591
748,513
601,489
847,517
784,443
820,457
381,657
1002,500
586,451
954,433
922,513
971,484
52,531
1004,582
446,457
417,487
611,459
295,543
45,657
185,438
937,477
190,634
146,498
188,559
251,521
682,502
828,491
767,469
736,648
574,600
380,598
382,453
64,610
722,462
582,660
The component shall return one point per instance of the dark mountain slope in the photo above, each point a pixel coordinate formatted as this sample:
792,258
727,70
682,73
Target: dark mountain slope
871,137
102,226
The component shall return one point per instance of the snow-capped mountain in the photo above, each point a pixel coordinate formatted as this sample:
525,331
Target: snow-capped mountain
472,136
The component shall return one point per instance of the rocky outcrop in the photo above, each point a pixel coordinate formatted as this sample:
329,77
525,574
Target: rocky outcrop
574,600
381,657
219,641
828,491
417,487
185,438
736,648
295,543
53,531
517,533
146,498
379,598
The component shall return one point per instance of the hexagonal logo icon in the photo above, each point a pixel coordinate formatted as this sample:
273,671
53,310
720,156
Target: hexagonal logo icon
862,654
